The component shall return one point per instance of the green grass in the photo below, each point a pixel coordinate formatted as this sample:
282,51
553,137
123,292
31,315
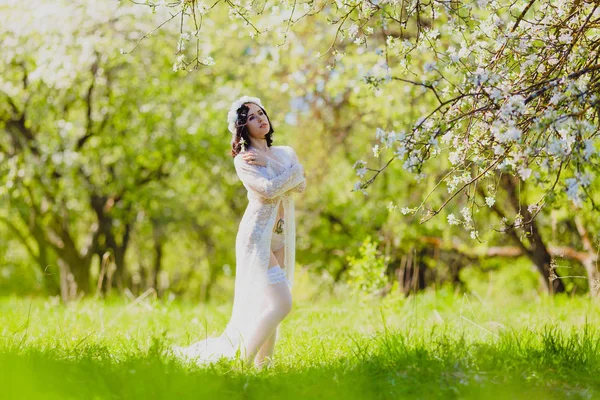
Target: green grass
440,344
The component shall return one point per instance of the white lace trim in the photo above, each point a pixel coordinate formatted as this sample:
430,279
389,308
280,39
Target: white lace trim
276,275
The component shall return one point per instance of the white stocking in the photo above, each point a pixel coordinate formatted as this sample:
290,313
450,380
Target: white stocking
279,304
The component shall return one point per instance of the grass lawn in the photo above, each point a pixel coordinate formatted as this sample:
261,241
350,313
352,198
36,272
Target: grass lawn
438,344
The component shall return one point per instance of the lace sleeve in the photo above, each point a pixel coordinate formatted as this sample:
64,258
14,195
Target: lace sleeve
268,188
277,166
302,186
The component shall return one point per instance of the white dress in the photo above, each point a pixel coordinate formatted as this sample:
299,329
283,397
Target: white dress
267,187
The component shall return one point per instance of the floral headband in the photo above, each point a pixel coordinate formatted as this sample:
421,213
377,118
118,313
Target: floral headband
232,114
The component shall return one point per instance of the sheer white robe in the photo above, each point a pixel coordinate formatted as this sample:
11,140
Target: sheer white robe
267,187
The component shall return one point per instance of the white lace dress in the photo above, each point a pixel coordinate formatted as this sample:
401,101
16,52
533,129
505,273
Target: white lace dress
267,187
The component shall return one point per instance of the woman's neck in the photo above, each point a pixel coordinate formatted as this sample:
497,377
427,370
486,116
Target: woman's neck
259,144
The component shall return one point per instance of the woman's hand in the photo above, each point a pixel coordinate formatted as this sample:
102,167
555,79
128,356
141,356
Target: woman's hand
255,157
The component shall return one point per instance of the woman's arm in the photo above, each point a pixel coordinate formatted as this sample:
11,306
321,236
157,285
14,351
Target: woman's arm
268,188
278,166
275,165
302,186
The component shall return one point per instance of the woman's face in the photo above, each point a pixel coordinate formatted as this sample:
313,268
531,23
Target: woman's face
257,122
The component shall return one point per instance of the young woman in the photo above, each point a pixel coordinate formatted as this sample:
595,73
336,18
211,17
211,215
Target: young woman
265,242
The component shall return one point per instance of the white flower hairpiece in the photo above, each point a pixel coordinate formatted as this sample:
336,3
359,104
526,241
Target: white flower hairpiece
232,114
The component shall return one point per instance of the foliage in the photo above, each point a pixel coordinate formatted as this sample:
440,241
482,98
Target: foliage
110,158
502,97
513,84
367,271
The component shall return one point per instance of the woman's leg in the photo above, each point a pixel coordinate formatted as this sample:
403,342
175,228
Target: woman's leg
278,305
265,354
269,345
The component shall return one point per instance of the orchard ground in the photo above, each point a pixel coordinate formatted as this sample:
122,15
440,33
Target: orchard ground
442,343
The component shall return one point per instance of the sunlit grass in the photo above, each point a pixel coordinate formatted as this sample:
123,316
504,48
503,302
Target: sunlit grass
440,344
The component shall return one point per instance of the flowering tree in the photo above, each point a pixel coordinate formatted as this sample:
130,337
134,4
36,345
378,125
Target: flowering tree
516,99
500,110
90,158
510,93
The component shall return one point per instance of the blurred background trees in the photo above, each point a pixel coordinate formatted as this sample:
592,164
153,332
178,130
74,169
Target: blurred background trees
115,171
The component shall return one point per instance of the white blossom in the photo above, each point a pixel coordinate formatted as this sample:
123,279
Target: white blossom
376,150
454,157
202,7
208,61
525,173
390,140
506,135
495,94
572,188
556,98
558,147
391,206
400,152
411,163
181,45
429,66
479,77
352,30
433,141
589,149
454,57
466,213
452,220
433,33
447,137
390,42
518,220
514,106
565,38
359,164
585,179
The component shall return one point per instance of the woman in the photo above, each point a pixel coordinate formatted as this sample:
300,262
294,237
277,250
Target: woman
265,243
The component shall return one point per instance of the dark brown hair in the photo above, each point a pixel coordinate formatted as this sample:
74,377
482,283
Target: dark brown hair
241,129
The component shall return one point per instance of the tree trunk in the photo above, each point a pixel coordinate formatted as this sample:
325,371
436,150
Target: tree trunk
101,204
537,251
543,262
590,261
74,276
411,274
158,238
